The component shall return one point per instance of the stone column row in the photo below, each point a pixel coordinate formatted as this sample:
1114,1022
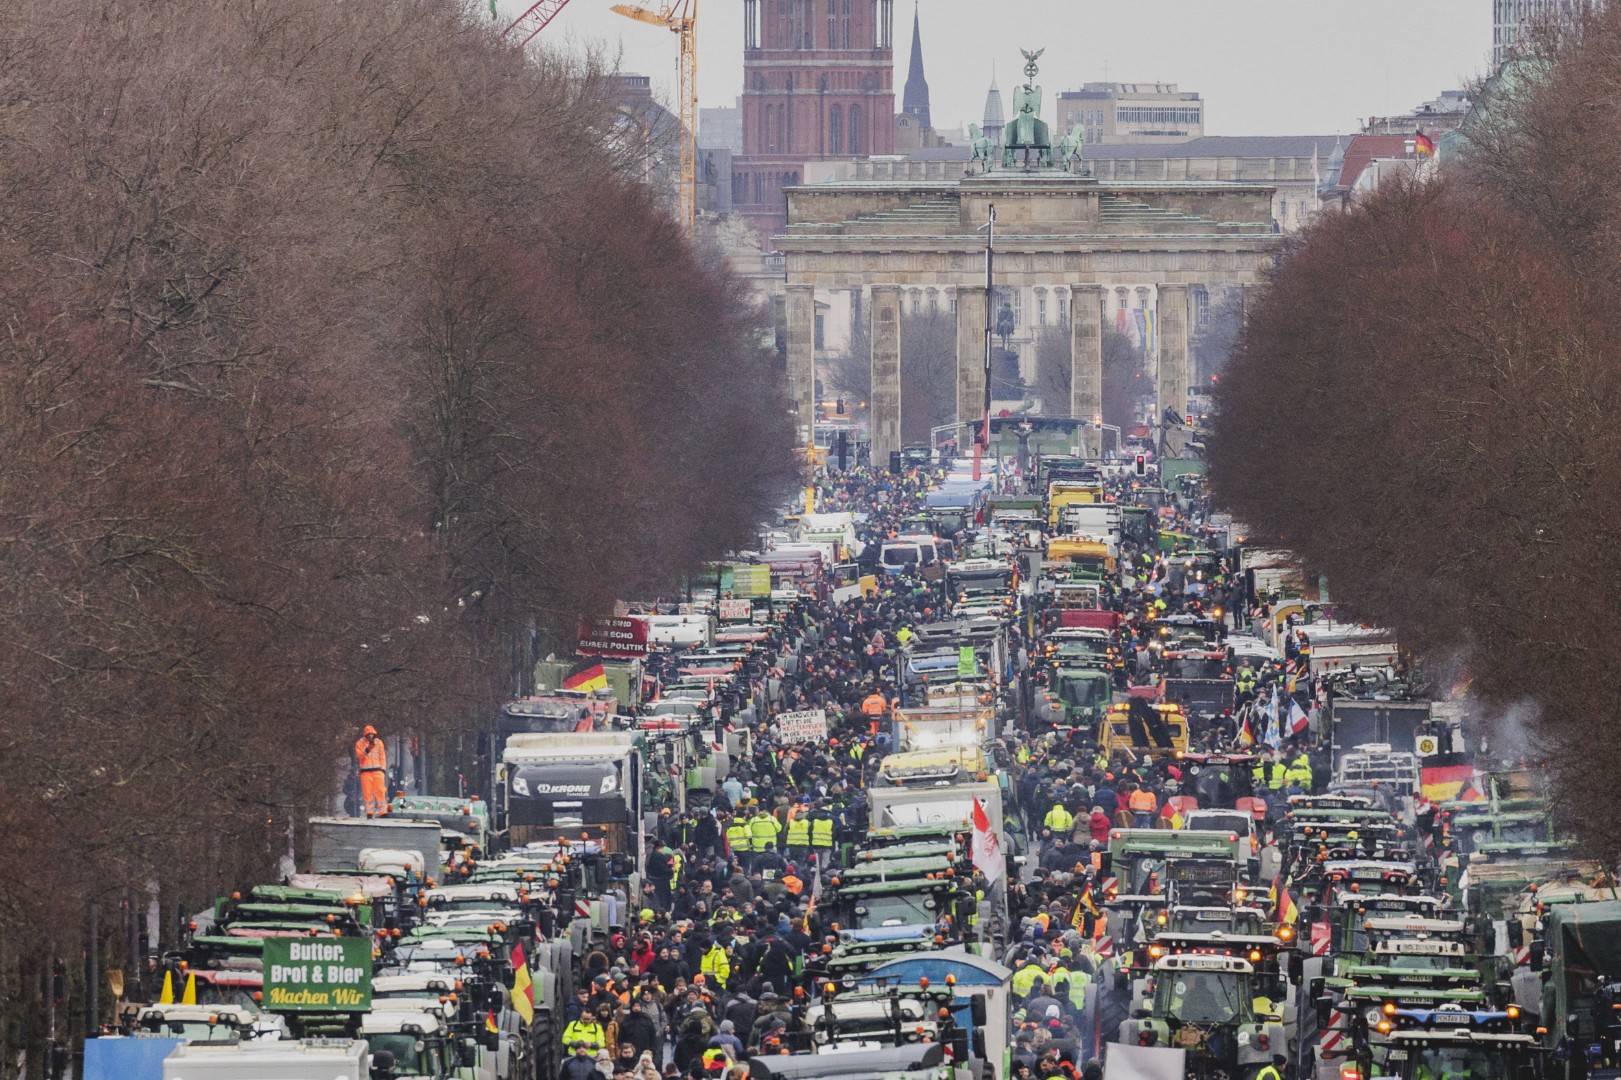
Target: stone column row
1086,372
886,373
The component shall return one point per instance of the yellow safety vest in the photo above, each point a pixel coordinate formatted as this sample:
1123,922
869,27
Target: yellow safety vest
799,831
763,828
585,1031
822,832
1058,818
737,836
716,965
1024,978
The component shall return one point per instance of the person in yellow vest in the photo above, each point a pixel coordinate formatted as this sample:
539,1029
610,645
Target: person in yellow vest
799,837
740,841
1024,978
1276,774
1273,1071
821,835
716,964
763,829
1078,980
1299,772
585,1031
1059,819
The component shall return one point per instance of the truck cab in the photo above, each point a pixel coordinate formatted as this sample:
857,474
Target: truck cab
418,1043
1204,1005
1161,734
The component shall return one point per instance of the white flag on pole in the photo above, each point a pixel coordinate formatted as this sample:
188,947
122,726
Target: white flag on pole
987,849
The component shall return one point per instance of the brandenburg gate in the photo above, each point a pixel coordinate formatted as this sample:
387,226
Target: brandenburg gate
900,225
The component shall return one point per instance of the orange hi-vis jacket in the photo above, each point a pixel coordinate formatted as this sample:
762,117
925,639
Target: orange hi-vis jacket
372,756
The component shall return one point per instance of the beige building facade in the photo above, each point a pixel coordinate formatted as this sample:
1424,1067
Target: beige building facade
1088,244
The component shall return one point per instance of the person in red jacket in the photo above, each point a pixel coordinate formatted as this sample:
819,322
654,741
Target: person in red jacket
1099,824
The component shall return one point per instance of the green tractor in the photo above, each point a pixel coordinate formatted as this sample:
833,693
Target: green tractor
1205,1005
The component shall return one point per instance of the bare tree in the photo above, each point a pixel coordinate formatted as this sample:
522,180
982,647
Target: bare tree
928,372
338,345
1421,406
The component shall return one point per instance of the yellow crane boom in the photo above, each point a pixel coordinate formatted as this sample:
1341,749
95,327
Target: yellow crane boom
680,17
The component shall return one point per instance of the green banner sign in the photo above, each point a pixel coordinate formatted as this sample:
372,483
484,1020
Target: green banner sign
966,666
317,975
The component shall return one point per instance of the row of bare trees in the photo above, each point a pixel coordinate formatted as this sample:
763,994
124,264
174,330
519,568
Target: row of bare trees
1424,403
339,351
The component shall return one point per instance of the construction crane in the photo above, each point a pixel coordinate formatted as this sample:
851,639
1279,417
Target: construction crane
680,17
531,22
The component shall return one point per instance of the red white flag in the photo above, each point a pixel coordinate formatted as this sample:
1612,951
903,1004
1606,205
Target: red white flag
987,849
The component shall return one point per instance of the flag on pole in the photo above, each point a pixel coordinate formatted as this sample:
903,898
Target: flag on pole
1246,735
489,1022
1288,910
587,677
523,992
1297,718
1274,737
1316,180
1084,906
987,849
1151,341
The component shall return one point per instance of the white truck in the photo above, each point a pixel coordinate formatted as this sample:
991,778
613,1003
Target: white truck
838,529
952,806
285,1059
554,786
382,844
1099,521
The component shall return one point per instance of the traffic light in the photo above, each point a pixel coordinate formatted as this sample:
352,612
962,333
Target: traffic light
844,449
895,461
838,407
1141,465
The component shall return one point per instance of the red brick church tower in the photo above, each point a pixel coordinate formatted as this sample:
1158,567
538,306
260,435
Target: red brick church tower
817,86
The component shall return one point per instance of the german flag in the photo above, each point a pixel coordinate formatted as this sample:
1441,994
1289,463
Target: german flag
587,677
1288,910
1084,906
489,1023
1423,145
523,994
1445,777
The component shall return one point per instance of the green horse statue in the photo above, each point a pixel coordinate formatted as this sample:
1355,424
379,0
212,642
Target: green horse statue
984,150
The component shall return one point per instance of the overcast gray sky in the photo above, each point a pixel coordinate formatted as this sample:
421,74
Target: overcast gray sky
1265,67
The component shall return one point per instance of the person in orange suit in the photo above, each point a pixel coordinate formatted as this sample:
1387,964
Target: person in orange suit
371,758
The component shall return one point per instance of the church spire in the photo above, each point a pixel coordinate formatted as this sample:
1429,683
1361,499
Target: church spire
994,117
915,101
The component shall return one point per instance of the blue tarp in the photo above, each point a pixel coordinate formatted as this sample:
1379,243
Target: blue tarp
119,1058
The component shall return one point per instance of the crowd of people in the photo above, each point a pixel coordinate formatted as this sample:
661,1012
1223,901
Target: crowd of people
727,944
